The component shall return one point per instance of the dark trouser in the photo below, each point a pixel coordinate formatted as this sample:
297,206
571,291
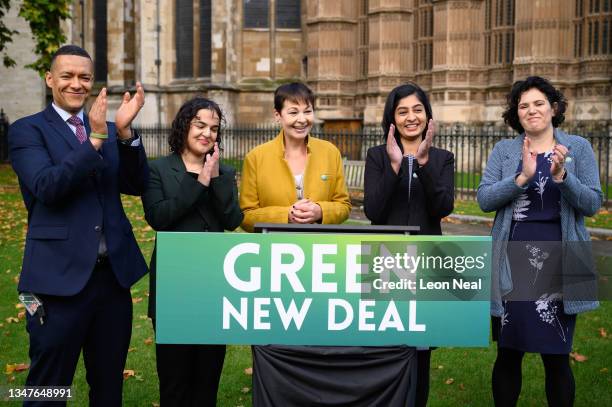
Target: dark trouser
422,384
507,378
97,320
189,374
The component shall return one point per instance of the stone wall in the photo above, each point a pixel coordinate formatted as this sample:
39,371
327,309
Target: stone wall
351,53
22,91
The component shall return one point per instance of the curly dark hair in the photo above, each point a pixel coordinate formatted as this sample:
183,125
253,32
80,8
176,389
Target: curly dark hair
554,96
182,122
393,99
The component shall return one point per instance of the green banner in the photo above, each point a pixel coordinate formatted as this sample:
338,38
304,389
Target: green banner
323,289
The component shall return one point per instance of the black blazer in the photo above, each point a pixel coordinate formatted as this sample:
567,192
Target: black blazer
386,194
176,201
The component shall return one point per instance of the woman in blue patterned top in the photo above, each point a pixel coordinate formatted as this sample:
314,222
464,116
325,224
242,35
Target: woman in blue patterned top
541,184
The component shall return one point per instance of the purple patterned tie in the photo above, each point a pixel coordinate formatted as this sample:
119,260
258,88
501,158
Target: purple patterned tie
80,129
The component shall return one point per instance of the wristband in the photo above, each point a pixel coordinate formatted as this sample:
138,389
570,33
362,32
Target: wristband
98,135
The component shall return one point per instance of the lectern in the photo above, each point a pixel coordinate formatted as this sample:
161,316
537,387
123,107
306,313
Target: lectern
332,375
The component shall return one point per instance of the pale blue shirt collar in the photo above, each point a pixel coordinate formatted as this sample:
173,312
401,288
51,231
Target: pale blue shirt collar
65,116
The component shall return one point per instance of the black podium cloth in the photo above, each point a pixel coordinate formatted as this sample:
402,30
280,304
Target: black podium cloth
287,376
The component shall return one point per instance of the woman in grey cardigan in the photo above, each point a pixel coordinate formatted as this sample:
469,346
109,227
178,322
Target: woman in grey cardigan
541,184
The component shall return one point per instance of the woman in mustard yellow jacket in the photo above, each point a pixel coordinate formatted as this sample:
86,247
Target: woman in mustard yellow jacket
294,178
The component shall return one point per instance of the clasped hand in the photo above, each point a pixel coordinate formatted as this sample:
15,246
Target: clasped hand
305,211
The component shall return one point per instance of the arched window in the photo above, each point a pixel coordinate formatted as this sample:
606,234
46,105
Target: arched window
184,38
100,41
256,13
288,14
193,21
592,26
499,32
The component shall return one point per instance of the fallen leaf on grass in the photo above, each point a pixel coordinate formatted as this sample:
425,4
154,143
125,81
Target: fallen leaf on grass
245,390
11,379
603,370
8,271
12,320
136,300
148,341
21,315
154,404
132,350
1,325
578,357
128,373
461,386
16,279
248,371
19,305
16,367
143,317
602,332
440,367
450,380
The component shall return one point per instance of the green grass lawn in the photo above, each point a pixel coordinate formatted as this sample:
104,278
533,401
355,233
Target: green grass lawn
469,369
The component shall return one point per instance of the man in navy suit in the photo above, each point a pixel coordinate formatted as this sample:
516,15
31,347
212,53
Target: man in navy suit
80,254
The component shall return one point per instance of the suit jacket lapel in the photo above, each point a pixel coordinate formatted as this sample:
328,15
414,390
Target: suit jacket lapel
178,168
61,127
180,171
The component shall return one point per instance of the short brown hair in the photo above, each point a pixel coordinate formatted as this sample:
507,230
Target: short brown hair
294,92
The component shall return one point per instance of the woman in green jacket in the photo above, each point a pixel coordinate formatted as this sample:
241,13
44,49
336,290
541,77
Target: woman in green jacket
190,191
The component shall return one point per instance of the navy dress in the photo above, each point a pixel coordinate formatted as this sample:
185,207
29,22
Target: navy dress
533,319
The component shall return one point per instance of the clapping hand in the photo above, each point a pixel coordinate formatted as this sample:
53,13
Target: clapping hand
97,118
393,150
557,168
529,163
422,154
210,169
129,108
305,211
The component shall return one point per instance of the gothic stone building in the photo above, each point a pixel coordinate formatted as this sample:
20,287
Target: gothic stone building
465,53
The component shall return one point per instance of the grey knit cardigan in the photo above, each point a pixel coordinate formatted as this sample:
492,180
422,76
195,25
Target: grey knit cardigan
580,196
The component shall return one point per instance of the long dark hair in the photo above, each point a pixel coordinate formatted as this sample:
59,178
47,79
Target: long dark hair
393,99
553,95
182,122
